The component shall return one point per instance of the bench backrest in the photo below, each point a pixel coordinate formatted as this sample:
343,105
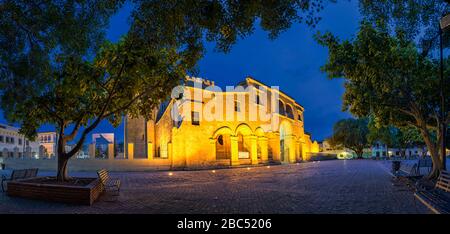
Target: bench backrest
425,163
103,175
443,181
30,173
18,174
24,173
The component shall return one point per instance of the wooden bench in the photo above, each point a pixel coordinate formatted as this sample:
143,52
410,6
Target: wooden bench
19,174
437,199
423,163
108,183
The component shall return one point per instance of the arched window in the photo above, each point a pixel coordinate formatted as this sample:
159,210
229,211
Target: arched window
289,112
300,117
281,109
223,147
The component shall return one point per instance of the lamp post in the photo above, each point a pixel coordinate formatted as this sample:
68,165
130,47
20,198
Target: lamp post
443,24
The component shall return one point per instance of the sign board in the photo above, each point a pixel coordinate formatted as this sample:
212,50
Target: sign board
244,155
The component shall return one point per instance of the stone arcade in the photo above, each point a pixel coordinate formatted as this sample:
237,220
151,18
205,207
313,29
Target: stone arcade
195,140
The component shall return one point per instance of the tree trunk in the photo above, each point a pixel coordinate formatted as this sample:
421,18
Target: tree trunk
434,153
63,158
62,168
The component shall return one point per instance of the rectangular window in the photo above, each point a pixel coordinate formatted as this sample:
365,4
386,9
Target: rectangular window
20,141
12,140
7,139
258,101
27,143
195,116
1,138
237,106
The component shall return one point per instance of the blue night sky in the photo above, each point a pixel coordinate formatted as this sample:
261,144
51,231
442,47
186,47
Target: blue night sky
292,62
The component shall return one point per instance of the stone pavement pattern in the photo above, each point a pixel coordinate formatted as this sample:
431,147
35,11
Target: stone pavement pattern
355,186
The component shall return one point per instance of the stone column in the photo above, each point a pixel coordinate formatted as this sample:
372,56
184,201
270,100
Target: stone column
211,157
274,143
298,150
263,143
169,151
110,151
149,151
91,151
130,150
253,149
289,141
234,151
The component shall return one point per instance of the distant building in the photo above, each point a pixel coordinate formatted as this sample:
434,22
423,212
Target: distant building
14,144
380,150
48,143
102,146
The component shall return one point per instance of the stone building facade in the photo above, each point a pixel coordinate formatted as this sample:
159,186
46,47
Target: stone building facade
204,126
16,145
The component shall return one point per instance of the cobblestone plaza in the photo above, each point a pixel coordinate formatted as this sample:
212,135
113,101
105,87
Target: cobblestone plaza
338,186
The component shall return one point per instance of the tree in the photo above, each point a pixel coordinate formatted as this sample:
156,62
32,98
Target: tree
412,20
407,137
57,67
190,22
388,77
352,134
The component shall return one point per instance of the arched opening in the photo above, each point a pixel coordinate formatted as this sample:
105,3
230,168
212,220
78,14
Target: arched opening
223,147
289,112
281,108
285,130
222,138
244,145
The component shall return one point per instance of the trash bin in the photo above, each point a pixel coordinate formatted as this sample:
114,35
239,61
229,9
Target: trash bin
395,166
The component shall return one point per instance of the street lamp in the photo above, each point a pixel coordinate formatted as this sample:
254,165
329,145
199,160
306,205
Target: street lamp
443,25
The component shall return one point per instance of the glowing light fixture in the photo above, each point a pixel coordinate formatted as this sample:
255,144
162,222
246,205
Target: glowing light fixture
170,174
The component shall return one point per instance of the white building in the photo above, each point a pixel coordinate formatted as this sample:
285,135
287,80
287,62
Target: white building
48,143
382,151
14,144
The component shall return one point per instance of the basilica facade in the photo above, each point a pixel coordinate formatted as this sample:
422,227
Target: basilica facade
204,126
